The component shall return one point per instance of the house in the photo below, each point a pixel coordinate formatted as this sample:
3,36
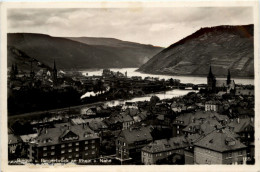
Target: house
243,127
89,111
178,107
244,91
181,122
127,121
97,125
130,142
14,141
132,105
219,147
64,142
211,106
160,149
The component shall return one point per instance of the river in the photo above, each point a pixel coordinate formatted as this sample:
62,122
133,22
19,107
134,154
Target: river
132,72
161,95
184,79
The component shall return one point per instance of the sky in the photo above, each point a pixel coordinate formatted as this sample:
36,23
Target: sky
156,26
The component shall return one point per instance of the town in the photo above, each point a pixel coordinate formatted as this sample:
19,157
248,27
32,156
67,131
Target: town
212,124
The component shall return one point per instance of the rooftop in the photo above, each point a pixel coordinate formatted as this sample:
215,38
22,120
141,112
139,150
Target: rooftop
220,141
166,144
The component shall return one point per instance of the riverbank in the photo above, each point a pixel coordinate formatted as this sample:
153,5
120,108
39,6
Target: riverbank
161,94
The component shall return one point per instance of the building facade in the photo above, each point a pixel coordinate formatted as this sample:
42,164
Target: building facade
219,148
164,148
64,143
131,141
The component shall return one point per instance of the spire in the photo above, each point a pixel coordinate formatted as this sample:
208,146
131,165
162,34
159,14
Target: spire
210,72
54,65
54,74
228,77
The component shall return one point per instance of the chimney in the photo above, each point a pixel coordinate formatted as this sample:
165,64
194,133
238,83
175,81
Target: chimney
238,120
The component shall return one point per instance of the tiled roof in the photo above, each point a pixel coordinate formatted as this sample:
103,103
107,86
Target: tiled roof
185,119
240,126
13,139
220,141
127,118
97,124
188,117
139,134
166,145
52,135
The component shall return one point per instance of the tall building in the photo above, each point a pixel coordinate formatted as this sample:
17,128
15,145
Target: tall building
54,75
219,147
215,85
131,141
211,80
64,142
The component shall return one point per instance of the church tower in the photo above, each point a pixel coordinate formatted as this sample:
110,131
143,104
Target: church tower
54,74
228,78
211,80
32,73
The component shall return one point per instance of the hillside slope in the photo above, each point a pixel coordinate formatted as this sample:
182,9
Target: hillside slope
74,54
224,47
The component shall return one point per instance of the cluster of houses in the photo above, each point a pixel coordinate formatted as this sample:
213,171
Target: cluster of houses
215,126
197,128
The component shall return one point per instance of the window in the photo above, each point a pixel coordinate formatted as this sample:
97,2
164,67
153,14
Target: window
124,144
77,149
77,155
177,126
52,153
86,153
93,141
93,152
86,142
44,148
53,147
63,151
77,143
93,146
70,156
45,154
86,148
63,146
70,144
70,150
62,158
240,152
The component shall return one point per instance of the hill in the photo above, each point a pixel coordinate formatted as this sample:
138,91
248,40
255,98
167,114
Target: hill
224,47
76,54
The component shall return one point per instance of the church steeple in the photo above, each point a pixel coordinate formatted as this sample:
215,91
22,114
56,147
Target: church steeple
54,66
228,77
54,74
210,72
211,80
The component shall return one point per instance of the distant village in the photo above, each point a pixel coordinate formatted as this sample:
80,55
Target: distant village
212,124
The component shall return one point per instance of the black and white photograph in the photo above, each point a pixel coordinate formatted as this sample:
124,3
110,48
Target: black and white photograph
130,85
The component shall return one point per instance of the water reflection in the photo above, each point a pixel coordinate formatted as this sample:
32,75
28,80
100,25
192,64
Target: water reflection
163,95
